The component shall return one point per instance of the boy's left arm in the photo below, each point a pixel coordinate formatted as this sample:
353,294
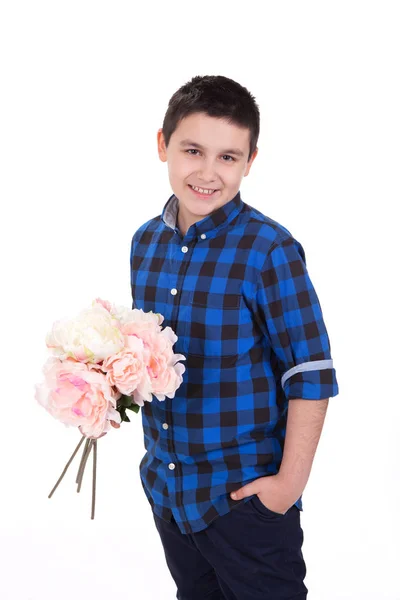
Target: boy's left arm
304,425
287,309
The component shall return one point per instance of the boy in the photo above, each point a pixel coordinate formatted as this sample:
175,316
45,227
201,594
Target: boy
233,285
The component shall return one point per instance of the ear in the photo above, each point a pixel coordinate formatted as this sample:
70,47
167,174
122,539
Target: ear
161,147
250,162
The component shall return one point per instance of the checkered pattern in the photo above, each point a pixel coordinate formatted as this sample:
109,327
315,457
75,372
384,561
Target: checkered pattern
236,291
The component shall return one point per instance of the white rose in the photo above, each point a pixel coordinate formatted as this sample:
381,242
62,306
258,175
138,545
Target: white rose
136,315
90,338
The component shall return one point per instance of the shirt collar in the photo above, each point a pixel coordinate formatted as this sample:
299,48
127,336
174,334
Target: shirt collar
210,224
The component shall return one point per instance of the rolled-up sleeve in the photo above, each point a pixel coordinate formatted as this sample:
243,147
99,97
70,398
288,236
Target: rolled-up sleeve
290,315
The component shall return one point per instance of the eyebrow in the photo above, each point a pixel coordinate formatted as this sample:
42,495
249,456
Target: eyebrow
235,151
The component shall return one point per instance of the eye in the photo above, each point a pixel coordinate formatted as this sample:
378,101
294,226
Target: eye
195,150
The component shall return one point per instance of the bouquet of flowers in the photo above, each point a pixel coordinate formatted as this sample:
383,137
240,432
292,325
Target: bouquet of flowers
107,360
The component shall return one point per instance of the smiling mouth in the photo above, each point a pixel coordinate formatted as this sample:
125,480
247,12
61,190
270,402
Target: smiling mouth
204,194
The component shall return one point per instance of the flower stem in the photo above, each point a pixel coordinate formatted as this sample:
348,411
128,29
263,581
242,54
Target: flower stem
84,461
80,473
94,476
66,467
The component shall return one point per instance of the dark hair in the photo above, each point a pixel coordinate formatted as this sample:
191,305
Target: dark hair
216,96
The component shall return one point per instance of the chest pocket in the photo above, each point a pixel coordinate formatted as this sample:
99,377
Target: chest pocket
214,324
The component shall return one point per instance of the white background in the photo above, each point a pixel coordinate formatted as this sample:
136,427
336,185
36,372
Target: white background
84,88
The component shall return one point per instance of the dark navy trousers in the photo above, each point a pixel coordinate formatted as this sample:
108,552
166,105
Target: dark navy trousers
250,553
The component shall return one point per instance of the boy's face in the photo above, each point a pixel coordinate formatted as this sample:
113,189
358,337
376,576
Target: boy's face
206,152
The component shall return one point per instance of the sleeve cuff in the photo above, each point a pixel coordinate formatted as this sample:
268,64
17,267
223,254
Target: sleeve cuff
313,380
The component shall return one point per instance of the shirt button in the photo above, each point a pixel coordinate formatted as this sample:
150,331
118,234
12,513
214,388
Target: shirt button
165,425
171,466
174,291
203,236
184,248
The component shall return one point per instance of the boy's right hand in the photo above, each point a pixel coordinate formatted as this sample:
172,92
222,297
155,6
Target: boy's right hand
113,423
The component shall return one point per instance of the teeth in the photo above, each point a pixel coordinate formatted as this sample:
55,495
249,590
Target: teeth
201,190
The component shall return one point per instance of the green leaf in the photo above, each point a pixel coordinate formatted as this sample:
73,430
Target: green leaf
135,407
125,400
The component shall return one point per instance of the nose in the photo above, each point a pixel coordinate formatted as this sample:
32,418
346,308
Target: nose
207,172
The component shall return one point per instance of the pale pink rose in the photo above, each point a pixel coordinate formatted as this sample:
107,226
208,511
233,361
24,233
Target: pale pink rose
159,375
90,337
144,326
78,395
163,376
164,371
127,368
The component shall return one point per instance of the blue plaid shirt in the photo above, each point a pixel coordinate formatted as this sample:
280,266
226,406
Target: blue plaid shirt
236,291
